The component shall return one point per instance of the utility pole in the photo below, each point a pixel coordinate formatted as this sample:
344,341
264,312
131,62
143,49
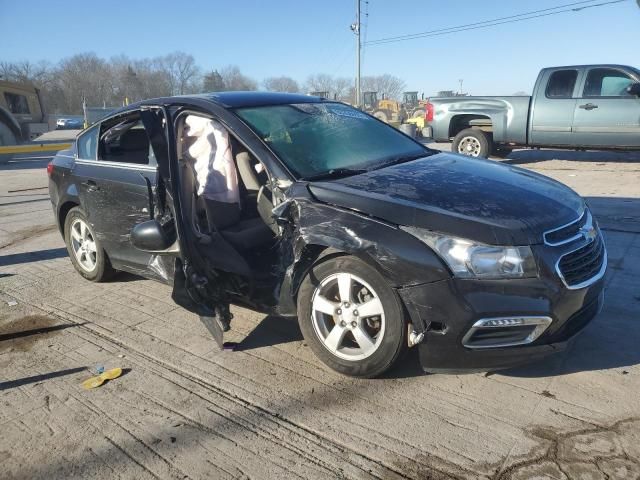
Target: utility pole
355,27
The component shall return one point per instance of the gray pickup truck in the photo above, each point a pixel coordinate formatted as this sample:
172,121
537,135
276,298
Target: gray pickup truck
576,107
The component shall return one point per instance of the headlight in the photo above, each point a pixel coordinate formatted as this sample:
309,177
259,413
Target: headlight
470,259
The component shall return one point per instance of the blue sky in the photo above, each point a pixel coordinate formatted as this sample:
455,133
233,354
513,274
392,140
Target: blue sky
298,38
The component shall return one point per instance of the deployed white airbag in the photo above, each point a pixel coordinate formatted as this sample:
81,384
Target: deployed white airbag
215,171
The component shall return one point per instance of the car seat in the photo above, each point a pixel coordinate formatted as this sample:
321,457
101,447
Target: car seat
134,145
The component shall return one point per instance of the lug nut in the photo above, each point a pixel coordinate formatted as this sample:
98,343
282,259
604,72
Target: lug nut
354,324
339,311
346,305
343,323
355,313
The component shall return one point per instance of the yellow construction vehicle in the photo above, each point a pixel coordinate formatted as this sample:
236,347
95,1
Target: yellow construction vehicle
414,106
21,114
387,110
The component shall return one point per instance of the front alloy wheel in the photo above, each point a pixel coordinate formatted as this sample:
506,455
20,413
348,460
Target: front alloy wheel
350,317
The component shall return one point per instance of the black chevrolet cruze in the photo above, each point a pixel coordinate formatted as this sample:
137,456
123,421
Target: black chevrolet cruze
375,242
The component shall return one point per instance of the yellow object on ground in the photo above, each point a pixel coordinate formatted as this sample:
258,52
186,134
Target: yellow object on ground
98,380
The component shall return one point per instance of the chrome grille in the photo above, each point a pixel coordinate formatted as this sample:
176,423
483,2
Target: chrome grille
585,265
570,232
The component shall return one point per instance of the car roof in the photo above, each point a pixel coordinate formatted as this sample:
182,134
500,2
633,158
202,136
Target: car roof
225,100
257,99
595,65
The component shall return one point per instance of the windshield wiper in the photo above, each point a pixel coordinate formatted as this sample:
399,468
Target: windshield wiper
402,159
336,173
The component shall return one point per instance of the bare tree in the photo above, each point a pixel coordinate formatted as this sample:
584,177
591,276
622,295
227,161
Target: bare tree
281,84
86,76
181,72
26,72
234,80
83,76
213,82
389,85
320,82
344,89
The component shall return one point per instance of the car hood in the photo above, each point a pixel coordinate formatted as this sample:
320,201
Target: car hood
472,198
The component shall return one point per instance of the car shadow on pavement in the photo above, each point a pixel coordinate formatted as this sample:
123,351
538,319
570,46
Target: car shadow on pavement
519,157
272,330
34,256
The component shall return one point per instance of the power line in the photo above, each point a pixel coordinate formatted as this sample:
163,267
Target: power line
411,35
496,21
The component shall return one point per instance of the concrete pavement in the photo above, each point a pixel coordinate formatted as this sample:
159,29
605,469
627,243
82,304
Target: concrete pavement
271,409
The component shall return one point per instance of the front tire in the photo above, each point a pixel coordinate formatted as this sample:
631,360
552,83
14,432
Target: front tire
86,253
473,143
351,318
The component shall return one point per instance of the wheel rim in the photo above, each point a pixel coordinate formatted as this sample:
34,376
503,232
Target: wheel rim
348,316
83,245
469,146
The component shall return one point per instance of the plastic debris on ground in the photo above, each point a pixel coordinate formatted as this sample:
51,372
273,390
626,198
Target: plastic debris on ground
99,380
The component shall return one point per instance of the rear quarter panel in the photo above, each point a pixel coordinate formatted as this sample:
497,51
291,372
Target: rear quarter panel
62,189
508,115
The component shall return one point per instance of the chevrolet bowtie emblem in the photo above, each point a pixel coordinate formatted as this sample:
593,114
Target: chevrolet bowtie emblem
588,232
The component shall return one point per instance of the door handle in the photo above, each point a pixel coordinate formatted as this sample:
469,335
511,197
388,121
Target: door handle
91,185
588,106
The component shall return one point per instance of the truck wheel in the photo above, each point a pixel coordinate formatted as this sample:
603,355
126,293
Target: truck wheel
351,318
472,142
6,135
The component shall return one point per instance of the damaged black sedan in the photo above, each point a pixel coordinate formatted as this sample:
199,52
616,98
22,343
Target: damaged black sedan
298,206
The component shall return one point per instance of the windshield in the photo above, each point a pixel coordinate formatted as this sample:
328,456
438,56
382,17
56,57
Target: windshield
315,138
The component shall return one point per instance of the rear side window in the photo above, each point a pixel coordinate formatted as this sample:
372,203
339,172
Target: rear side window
124,140
88,143
606,82
17,103
561,84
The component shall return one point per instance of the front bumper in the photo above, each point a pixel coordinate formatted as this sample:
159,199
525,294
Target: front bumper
451,307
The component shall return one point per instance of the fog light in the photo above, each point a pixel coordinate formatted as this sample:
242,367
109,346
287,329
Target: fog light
505,331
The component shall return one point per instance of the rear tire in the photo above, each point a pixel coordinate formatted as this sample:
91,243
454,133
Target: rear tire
473,143
86,253
362,343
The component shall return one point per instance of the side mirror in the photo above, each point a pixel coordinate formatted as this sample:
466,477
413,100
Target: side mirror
634,89
151,236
